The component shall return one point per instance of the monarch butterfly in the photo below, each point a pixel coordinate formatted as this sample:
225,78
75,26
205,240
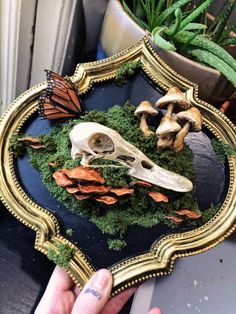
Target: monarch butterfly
60,100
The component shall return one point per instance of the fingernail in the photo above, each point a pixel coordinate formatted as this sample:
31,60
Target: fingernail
101,279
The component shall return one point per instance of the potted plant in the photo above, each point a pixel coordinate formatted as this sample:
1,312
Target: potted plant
185,39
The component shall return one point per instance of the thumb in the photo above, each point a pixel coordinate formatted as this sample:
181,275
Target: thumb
155,310
95,294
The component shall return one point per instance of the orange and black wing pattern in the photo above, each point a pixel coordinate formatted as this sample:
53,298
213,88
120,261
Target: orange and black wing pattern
60,100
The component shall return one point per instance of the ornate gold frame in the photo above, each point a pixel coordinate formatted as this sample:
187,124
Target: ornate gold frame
160,259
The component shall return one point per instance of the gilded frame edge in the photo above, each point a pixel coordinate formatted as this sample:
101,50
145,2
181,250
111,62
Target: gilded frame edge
160,259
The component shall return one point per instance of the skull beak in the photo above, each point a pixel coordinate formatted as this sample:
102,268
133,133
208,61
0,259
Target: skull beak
162,177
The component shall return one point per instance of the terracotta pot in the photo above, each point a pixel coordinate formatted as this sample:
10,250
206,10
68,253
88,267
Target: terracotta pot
120,31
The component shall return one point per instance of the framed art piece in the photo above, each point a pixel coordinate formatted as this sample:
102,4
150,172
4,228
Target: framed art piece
131,233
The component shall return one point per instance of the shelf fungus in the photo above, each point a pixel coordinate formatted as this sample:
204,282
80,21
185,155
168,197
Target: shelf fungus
81,197
62,179
92,140
191,120
144,110
108,200
122,191
188,213
83,173
158,197
33,142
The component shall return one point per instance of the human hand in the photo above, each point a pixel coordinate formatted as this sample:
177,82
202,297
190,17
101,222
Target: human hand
63,297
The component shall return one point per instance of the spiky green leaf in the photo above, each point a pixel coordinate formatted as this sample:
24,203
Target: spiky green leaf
221,21
197,12
186,37
134,17
228,42
215,62
174,28
170,10
194,26
138,9
230,28
160,41
159,6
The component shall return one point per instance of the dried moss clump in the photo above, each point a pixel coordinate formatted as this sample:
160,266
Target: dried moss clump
69,232
116,244
126,71
61,255
222,150
209,213
16,147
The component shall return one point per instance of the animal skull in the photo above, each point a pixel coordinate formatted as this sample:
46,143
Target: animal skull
92,141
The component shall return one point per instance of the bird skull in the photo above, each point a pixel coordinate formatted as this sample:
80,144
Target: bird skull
92,140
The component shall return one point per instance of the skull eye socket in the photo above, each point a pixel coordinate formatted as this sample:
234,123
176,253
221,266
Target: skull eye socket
145,164
101,143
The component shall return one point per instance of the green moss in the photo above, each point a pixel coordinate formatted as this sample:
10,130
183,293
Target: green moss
126,71
69,232
116,244
61,255
116,176
48,142
222,150
136,209
16,147
209,213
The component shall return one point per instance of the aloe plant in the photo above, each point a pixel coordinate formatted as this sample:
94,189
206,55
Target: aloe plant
181,25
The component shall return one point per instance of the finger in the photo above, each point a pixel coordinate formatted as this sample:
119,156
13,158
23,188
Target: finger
60,280
155,310
95,294
58,286
116,303
76,290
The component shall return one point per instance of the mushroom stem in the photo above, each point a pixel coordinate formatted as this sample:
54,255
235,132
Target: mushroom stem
169,110
165,140
166,132
179,139
143,125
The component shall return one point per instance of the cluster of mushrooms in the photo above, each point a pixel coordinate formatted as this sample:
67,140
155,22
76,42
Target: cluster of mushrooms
171,130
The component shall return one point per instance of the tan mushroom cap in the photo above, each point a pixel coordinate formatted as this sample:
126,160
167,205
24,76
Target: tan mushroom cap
193,116
145,107
167,125
174,95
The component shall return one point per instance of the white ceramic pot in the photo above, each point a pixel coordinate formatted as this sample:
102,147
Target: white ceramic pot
119,31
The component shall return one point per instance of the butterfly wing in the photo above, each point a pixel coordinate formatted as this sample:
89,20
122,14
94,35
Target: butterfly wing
60,100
